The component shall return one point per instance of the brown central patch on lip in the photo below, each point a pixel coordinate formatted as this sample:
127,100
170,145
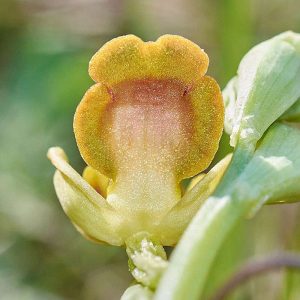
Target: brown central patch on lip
149,92
150,122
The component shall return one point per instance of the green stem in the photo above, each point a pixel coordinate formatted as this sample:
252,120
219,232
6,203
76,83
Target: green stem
191,261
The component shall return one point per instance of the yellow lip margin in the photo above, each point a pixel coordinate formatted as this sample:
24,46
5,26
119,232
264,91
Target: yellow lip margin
129,58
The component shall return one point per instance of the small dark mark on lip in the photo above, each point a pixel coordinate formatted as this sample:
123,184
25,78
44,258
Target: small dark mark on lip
186,90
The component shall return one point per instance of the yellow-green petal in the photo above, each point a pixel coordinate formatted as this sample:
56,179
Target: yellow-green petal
97,180
87,209
179,217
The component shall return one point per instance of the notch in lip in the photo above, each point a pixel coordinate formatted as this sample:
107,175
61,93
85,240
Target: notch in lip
130,58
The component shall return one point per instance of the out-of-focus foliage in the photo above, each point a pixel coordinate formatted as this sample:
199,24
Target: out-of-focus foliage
45,47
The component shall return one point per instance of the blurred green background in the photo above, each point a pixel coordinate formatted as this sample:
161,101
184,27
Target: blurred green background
45,46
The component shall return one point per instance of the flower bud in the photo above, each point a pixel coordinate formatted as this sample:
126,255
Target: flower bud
266,86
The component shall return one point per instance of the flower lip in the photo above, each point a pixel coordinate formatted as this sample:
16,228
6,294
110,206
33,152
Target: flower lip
153,115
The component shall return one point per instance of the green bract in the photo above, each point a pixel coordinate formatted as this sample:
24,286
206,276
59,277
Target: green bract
274,170
266,85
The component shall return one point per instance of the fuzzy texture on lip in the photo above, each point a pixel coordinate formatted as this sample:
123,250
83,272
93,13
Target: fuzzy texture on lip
151,120
129,58
153,97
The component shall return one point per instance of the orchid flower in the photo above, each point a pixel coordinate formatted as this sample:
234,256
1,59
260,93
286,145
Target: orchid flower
152,119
